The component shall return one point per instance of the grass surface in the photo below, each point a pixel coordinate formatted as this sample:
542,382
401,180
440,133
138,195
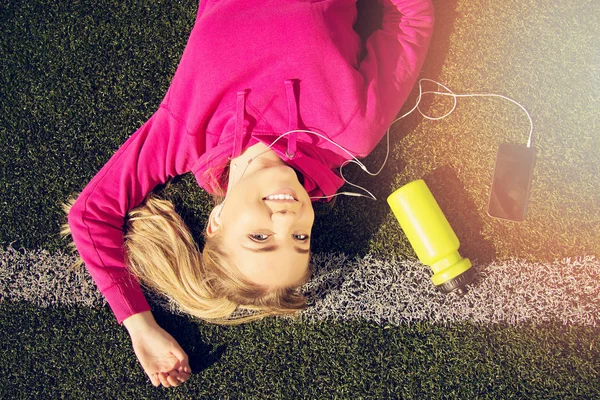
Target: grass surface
77,78
77,353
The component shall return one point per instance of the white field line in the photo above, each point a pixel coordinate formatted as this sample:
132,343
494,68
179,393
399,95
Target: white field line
387,292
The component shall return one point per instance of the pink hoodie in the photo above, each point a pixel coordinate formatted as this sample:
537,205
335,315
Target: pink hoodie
250,72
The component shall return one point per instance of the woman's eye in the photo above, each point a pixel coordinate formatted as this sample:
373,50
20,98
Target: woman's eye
302,238
258,237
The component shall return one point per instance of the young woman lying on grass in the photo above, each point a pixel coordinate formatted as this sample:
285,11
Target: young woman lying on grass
250,74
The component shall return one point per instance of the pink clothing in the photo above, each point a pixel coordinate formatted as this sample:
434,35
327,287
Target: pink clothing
250,72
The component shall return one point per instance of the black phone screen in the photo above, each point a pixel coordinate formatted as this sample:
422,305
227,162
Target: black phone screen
512,182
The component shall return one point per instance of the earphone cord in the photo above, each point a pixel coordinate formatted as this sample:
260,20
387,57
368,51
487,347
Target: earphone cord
354,160
455,96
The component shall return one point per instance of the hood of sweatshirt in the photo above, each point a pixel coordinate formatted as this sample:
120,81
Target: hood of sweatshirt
303,151
238,83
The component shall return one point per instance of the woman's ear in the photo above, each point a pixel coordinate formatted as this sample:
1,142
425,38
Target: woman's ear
214,220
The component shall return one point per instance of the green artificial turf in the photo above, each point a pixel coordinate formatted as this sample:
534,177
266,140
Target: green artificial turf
74,87
77,78
80,353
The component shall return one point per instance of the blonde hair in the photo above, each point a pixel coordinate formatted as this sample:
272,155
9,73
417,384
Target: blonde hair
164,256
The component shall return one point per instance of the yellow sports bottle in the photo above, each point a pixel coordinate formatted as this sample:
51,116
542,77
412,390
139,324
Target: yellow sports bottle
431,236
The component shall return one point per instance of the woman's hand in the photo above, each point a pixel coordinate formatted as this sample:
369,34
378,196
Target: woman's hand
161,357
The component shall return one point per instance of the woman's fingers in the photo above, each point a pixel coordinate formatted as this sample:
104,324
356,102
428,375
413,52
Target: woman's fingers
180,375
163,379
184,371
168,379
172,379
182,357
154,379
180,378
183,376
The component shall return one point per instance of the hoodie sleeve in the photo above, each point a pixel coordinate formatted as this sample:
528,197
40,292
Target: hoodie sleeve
157,151
395,55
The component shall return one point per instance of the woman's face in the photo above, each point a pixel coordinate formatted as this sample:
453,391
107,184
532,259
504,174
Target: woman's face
266,222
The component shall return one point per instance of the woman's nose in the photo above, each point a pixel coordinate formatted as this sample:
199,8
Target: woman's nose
285,208
285,214
284,220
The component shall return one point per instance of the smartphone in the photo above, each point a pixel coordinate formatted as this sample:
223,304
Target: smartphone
511,183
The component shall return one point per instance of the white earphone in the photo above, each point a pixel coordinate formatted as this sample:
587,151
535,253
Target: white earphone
355,160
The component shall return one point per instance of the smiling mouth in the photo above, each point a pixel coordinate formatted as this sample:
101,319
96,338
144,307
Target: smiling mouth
280,197
282,194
